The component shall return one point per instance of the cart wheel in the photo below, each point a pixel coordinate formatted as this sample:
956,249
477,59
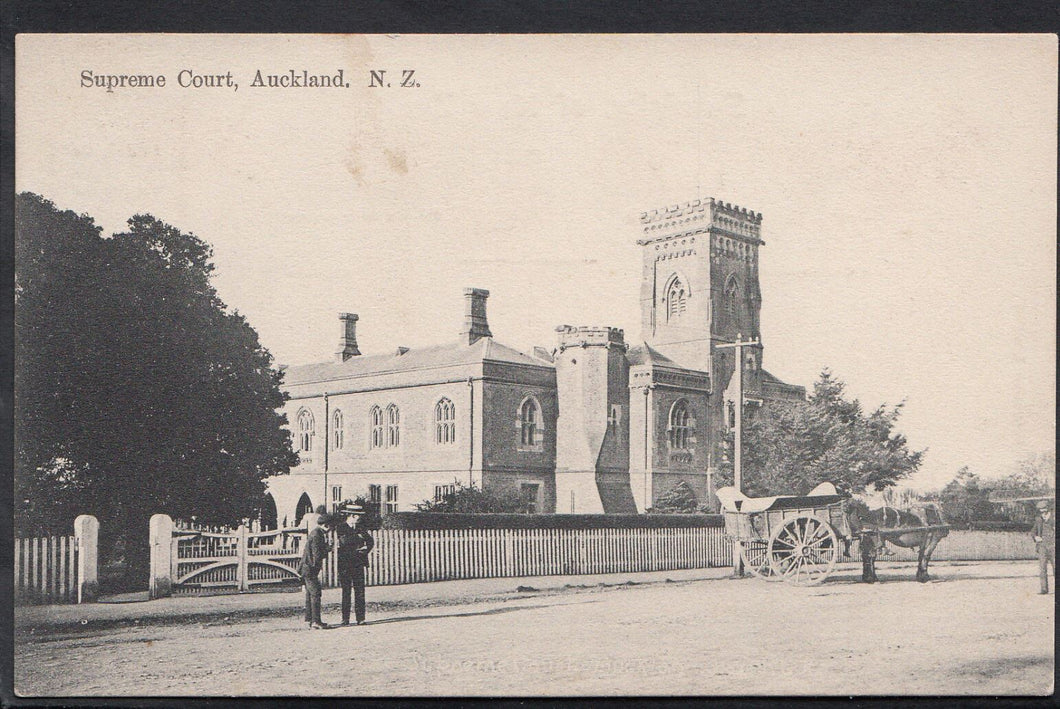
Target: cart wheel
756,559
803,550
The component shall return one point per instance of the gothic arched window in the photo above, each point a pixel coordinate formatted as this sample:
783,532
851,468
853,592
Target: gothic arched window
530,429
444,422
676,299
732,298
376,415
680,427
305,431
336,430
393,426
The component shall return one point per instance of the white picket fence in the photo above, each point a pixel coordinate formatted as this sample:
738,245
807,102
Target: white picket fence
46,570
241,559
970,545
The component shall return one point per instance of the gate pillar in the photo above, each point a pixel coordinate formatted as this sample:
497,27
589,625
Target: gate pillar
161,582
86,539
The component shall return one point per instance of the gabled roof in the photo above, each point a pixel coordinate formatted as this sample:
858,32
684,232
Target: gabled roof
450,354
646,354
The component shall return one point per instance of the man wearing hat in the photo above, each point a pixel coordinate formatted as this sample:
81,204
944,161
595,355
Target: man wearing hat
354,545
316,550
1044,533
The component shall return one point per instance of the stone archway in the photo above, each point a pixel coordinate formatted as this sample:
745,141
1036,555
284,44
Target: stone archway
269,513
304,506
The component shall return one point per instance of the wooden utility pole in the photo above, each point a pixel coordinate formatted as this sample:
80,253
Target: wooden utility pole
737,461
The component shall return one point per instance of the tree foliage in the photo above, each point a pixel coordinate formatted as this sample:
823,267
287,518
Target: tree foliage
970,498
791,447
137,391
473,499
679,499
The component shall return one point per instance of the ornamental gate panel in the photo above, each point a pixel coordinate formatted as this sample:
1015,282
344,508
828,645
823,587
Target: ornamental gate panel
238,559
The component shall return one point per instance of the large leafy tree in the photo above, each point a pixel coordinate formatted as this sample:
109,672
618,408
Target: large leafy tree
790,447
137,390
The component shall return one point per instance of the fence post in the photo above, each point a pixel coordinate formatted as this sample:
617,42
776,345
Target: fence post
241,555
161,581
86,539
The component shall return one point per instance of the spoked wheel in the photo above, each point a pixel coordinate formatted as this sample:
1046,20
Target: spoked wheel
803,550
755,556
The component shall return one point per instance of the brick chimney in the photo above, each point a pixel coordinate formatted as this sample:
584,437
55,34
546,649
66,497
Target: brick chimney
348,341
475,324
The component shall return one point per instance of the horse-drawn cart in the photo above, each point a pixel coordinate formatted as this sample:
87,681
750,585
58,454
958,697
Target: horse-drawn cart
797,538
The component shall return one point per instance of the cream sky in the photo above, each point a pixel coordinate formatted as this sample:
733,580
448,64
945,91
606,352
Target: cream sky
907,183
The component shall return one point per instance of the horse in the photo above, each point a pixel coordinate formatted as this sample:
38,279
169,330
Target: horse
920,527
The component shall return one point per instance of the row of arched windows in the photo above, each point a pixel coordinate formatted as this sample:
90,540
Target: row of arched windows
385,429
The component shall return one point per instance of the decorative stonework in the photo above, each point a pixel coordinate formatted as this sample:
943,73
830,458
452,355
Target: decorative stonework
699,216
588,336
677,379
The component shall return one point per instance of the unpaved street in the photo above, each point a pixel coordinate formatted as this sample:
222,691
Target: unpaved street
976,629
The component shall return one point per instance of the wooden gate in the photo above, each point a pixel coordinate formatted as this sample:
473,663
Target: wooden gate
239,559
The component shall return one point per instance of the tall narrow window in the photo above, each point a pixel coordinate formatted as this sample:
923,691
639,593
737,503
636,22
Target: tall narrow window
377,440
444,422
393,426
676,299
732,298
375,494
336,430
529,423
391,504
305,431
336,495
680,425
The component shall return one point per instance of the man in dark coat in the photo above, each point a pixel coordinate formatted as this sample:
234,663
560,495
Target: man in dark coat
316,550
354,545
1044,533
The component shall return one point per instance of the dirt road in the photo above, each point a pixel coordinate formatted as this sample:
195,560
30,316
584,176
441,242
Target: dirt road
976,629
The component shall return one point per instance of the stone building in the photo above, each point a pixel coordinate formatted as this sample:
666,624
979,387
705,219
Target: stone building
597,424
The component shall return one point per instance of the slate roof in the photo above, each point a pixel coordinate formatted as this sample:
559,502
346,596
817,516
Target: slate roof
646,354
447,355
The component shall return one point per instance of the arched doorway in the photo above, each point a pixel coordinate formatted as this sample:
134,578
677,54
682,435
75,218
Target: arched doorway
268,512
305,506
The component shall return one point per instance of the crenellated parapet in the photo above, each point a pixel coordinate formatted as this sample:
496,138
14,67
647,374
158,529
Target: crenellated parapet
590,336
701,216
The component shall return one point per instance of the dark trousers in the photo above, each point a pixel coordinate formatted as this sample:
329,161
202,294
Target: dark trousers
353,580
312,598
1046,556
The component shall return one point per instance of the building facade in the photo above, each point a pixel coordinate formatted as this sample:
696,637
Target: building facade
596,424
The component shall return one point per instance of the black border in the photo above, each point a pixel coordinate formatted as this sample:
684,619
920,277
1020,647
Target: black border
442,17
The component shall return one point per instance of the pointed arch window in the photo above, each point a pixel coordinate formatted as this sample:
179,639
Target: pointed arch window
393,426
732,298
377,440
680,427
306,429
444,422
676,299
337,434
531,425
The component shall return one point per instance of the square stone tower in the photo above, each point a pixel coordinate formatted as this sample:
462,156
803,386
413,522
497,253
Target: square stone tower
700,279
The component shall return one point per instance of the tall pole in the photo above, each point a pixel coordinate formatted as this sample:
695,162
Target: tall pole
737,461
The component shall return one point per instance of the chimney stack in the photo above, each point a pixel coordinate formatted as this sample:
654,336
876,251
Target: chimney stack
475,323
348,343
